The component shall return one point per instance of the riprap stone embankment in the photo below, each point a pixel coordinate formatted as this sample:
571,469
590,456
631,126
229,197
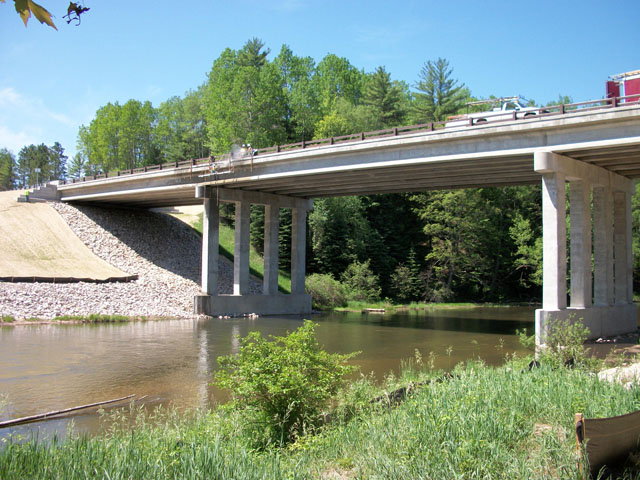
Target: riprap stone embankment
164,252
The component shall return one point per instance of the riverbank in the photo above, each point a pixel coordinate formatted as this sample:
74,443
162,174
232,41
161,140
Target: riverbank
387,306
482,422
76,319
163,252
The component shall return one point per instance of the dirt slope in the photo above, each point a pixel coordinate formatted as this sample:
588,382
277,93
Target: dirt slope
35,241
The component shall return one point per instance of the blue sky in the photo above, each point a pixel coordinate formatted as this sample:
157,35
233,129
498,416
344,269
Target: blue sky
53,82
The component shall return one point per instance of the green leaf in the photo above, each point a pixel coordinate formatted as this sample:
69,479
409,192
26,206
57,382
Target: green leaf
41,14
23,10
26,7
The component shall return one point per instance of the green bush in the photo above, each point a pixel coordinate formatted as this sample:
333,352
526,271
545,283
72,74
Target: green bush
282,383
565,342
360,282
326,292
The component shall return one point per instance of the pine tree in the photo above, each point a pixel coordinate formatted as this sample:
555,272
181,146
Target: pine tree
439,95
385,98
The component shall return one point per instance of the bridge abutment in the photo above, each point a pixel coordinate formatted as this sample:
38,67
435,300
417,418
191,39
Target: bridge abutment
601,292
271,302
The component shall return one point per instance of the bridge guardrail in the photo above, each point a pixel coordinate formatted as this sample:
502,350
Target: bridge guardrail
542,112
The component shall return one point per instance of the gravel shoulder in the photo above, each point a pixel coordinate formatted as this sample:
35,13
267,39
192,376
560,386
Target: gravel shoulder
164,252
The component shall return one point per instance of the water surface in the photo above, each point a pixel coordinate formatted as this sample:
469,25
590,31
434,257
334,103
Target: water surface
51,367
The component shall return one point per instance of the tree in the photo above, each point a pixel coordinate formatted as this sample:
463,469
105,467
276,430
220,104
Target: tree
180,128
77,166
136,131
26,8
387,99
244,101
120,137
360,283
454,223
7,166
438,94
57,162
301,99
39,163
336,78
252,54
340,234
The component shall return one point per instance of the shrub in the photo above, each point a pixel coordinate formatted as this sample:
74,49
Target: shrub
326,292
565,342
283,383
360,282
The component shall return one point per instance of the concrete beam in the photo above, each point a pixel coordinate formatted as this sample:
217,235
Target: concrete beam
259,198
602,321
548,162
261,304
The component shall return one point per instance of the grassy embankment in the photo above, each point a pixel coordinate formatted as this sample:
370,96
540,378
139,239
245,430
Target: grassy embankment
484,422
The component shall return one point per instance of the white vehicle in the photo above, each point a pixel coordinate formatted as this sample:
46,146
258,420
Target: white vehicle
510,108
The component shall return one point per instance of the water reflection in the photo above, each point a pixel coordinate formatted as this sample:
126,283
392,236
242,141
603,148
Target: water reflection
44,368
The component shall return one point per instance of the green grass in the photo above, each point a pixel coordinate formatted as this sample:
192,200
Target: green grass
256,262
91,318
485,422
96,318
357,306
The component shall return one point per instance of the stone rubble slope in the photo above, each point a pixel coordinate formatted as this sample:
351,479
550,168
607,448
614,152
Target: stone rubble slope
164,253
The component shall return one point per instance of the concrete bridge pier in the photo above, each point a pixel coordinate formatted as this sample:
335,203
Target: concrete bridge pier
271,302
601,292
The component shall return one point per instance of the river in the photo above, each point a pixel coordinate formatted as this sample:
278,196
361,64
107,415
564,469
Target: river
51,367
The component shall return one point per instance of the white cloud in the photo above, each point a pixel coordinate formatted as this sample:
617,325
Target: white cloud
14,141
26,120
26,106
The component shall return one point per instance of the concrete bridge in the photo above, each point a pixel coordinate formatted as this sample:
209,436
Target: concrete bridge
595,150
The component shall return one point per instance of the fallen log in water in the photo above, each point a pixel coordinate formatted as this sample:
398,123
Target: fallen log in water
20,421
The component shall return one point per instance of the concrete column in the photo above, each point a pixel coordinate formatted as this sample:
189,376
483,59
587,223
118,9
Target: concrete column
630,193
241,250
580,214
210,242
298,249
620,247
602,247
554,240
271,229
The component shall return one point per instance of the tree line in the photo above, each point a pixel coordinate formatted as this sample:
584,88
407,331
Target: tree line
473,244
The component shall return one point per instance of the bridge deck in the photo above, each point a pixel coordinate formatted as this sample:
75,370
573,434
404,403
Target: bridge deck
480,156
